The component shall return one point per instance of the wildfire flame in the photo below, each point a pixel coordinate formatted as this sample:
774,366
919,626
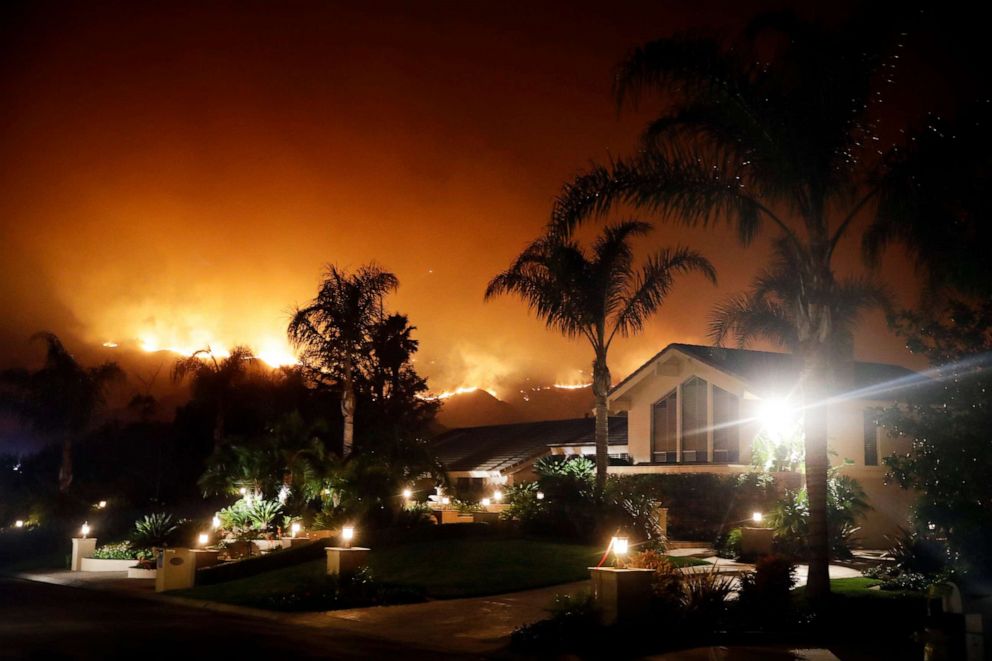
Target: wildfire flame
459,391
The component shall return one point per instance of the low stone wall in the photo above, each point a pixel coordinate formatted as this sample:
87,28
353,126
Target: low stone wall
96,564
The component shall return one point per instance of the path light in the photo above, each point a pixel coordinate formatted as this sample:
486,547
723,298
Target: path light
485,502
347,534
215,522
497,495
620,547
445,501
294,529
242,491
18,524
407,494
204,539
102,504
85,530
540,495
757,517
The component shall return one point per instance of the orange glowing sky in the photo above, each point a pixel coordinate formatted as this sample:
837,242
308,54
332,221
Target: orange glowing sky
180,176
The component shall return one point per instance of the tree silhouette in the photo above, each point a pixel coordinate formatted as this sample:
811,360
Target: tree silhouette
60,399
332,331
596,296
774,130
213,380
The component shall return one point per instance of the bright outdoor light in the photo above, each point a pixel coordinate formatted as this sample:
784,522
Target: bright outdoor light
777,416
497,495
620,545
445,501
295,529
204,539
485,502
407,493
102,504
347,534
85,530
215,523
540,495
18,524
242,491
757,517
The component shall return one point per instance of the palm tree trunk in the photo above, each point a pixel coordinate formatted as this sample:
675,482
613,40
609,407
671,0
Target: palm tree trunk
65,470
601,389
348,412
816,390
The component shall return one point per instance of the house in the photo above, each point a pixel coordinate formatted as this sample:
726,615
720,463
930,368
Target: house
693,408
505,454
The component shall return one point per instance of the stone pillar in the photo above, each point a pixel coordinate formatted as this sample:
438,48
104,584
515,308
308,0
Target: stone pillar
82,547
176,569
620,593
756,541
345,560
663,521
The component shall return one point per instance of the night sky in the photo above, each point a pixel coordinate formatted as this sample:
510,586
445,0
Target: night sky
176,174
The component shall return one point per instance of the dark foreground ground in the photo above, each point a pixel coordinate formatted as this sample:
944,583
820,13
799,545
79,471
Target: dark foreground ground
39,621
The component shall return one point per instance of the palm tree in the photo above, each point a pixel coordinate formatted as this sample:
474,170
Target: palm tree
785,141
213,380
597,296
59,399
332,331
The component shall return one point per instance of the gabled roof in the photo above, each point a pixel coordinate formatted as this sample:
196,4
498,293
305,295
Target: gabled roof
764,367
501,447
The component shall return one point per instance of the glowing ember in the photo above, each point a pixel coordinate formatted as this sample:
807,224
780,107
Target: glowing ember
577,386
111,345
460,391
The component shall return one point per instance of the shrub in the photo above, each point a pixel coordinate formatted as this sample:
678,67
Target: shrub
351,590
729,544
572,625
121,551
704,597
765,594
846,504
158,529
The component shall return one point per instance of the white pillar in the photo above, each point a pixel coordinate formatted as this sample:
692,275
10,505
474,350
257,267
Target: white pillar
82,547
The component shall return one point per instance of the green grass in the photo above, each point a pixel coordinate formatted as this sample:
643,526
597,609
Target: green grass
440,569
687,561
860,588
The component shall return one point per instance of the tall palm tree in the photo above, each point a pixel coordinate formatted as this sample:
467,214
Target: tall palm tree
776,131
597,296
333,330
60,399
213,380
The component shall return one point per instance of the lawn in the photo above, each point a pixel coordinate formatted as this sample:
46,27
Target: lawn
437,569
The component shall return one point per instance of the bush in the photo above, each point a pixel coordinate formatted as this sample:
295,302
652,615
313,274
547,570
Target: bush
122,551
729,544
765,594
158,529
846,504
573,621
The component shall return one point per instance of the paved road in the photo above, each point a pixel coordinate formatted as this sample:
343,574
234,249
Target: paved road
40,621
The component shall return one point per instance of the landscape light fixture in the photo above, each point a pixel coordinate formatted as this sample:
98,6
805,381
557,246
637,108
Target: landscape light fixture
242,491
620,546
295,529
757,517
407,494
85,530
497,495
485,502
347,534
215,522
18,524
445,500
204,539
540,495
102,505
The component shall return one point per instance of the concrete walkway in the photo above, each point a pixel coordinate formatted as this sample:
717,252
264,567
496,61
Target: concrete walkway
474,626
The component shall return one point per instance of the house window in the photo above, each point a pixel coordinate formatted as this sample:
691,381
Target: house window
726,429
871,439
694,422
664,431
